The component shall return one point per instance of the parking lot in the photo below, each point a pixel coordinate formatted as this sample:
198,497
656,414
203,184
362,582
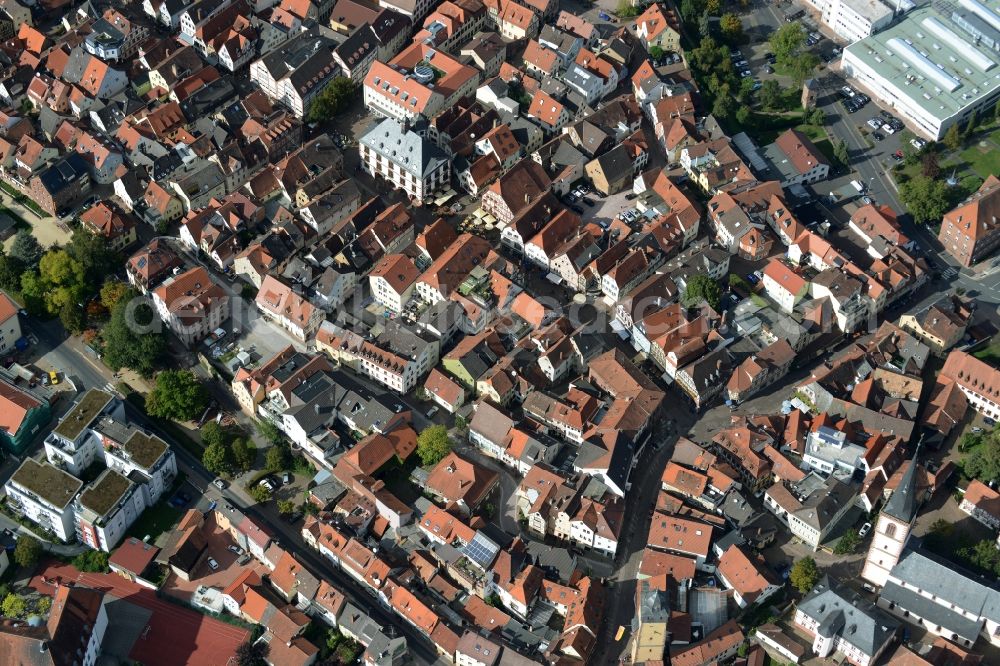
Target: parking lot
229,559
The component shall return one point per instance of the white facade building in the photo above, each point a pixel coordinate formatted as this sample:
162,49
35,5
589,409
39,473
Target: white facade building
44,494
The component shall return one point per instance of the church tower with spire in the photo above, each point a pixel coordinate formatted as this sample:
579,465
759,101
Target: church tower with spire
892,529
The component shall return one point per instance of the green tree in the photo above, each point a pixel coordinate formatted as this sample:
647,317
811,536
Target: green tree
701,287
11,269
269,431
27,551
656,53
331,100
113,291
14,606
705,25
26,249
178,395
212,433
260,494
847,543
252,654
731,27
33,293
690,10
929,166
461,424
804,574
816,117
770,95
746,90
348,651
713,7
743,114
275,459
953,138
72,317
215,458
132,338
433,445
95,255
787,41
984,555
94,561
983,462
724,107
841,153
926,199
801,68
286,507
244,454
43,605
970,127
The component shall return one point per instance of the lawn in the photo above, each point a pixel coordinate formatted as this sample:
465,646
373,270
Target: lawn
764,128
984,160
990,354
155,520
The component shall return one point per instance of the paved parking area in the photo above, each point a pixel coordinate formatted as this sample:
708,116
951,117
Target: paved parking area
605,209
229,569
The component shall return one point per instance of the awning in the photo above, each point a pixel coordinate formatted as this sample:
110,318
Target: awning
554,278
443,199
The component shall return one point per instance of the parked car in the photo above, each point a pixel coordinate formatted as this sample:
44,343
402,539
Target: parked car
873,123
286,478
576,209
865,529
268,483
752,279
588,201
432,411
878,136
232,548
220,484
918,143
212,564
848,91
888,129
53,377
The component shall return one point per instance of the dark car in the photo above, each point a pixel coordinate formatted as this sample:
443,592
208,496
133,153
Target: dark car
877,136
587,201
576,209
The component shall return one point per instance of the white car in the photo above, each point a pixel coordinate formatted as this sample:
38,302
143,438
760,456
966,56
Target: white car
918,143
212,564
888,129
873,123
848,90
432,411
865,529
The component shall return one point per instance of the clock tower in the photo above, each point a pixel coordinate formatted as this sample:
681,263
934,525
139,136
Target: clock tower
892,528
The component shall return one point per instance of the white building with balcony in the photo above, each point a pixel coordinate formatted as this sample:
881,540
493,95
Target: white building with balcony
106,509
404,158
44,494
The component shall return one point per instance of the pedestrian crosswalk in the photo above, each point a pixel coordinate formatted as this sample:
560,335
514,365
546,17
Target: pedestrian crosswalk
111,388
949,273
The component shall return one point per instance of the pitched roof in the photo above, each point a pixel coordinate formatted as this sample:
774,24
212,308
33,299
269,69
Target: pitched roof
749,576
455,478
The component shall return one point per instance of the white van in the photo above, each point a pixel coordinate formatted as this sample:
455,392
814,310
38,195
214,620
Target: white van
858,185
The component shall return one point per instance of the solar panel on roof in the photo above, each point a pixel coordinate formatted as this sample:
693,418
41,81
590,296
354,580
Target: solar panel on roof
481,550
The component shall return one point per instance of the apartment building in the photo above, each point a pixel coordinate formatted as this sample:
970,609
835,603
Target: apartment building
106,509
979,381
44,494
191,304
971,232
291,311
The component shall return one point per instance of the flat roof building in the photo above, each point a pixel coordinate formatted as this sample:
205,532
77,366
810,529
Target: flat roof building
106,509
44,494
932,68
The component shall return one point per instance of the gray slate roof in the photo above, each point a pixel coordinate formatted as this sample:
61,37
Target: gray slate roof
414,154
844,613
